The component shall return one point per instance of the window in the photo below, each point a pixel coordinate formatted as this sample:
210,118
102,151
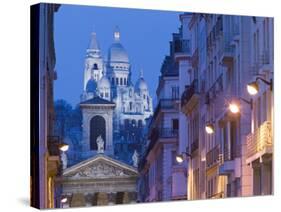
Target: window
117,81
121,81
175,92
97,128
112,81
131,106
95,67
106,94
175,124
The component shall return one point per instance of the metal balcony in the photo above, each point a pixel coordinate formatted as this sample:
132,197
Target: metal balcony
194,145
164,104
182,46
190,96
259,142
213,156
226,50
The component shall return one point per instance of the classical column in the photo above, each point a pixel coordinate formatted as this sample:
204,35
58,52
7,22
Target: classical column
126,198
88,199
111,198
102,198
77,200
132,197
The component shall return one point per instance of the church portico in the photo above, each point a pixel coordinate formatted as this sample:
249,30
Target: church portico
100,180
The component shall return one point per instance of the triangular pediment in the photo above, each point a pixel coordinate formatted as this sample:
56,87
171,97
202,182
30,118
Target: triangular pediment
100,167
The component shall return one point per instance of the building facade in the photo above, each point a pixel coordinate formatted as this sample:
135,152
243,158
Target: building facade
227,148
222,66
45,153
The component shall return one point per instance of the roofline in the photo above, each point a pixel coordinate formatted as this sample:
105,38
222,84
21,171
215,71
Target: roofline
96,157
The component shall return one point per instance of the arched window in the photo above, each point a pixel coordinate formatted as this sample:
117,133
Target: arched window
117,81
97,128
134,123
112,80
131,106
125,83
140,123
121,81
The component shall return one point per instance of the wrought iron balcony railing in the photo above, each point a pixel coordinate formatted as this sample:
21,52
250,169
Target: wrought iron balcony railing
213,156
260,139
190,90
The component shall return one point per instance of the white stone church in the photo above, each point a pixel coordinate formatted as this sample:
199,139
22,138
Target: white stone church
114,113
110,80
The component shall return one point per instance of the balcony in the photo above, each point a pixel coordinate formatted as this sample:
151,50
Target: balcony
161,133
190,97
260,142
213,156
182,47
226,51
165,104
53,145
194,145
214,90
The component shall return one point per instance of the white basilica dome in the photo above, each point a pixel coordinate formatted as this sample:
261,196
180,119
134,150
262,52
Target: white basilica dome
117,53
141,84
104,82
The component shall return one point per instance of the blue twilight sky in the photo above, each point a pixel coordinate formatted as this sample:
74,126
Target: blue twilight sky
145,34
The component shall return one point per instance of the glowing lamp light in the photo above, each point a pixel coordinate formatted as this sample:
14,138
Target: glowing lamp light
210,128
253,88
64,200
179,158
234,108
63,147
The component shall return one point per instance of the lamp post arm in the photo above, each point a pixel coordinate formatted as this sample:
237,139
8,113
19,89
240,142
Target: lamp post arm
270,83
250,102
187,154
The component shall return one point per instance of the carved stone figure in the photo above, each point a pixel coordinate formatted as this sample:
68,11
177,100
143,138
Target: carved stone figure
64,160
135,159
100,144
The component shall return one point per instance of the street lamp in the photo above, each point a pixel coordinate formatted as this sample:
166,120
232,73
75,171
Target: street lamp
253,87
234,106
181,157
209,128
63,200
63,147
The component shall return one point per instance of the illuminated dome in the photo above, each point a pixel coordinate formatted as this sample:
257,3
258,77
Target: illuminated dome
117,53
141,84
103,82
91,86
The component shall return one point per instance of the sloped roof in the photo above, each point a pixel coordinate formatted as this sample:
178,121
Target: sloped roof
100,159
97,101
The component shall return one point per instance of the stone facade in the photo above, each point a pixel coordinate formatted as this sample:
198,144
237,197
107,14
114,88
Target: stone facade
99,180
